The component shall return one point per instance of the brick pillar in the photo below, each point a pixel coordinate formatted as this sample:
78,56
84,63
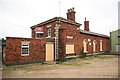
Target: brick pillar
33,33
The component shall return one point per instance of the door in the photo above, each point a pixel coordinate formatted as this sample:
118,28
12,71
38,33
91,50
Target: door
49,52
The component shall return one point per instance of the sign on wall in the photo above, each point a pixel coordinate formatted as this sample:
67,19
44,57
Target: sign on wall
39,29
69,37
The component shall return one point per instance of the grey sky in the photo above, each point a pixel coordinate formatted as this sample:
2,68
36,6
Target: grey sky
17,16
119,15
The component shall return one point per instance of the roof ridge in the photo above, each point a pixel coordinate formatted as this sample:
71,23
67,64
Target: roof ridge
93,33
56,18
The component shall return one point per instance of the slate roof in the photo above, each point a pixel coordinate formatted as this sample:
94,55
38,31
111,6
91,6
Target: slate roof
57,19
93,33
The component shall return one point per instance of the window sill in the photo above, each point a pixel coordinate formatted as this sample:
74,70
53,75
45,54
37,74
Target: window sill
71,56
25,55
48,37
85,51
70,53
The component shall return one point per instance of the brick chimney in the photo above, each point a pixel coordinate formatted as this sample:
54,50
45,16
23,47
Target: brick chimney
71,14
86,25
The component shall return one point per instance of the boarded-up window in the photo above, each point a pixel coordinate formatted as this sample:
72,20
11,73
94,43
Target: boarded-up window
69,48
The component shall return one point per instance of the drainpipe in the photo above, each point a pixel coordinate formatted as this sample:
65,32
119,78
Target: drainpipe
55,48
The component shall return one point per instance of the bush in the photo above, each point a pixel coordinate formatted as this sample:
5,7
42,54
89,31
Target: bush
61,60
82,54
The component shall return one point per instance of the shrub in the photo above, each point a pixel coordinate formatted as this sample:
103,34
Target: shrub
82,54
61,60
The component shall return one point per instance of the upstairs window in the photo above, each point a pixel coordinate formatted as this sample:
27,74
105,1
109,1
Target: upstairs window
49,32
25,49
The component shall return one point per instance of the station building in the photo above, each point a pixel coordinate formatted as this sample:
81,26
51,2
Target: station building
54,39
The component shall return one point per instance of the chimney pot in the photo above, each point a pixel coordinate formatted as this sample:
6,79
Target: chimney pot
68,10
73,9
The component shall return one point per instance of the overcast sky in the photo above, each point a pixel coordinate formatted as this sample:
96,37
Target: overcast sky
17,16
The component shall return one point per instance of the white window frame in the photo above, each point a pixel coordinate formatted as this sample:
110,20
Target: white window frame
25,45
49,31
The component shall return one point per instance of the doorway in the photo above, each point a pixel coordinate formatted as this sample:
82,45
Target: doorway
49,52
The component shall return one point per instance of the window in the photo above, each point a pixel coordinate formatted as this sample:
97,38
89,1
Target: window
94,45
101,45
85,42
49,32
25,49
69,48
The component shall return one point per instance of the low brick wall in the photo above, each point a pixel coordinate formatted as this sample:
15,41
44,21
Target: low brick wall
13,50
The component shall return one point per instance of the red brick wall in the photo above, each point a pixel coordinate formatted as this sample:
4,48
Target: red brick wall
13,50
69,29
97,39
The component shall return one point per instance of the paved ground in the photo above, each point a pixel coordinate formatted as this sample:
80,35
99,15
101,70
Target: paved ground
102,66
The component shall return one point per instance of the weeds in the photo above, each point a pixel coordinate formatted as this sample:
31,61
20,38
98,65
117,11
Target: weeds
82,54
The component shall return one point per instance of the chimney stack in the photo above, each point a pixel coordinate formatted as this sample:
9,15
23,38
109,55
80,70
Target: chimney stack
71,14
86,25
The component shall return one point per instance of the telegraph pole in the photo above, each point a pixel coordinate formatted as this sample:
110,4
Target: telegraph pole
59,8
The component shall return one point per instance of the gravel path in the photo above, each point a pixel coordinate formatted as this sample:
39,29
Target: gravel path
105,66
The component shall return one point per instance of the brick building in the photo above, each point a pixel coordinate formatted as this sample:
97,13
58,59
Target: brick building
54,39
